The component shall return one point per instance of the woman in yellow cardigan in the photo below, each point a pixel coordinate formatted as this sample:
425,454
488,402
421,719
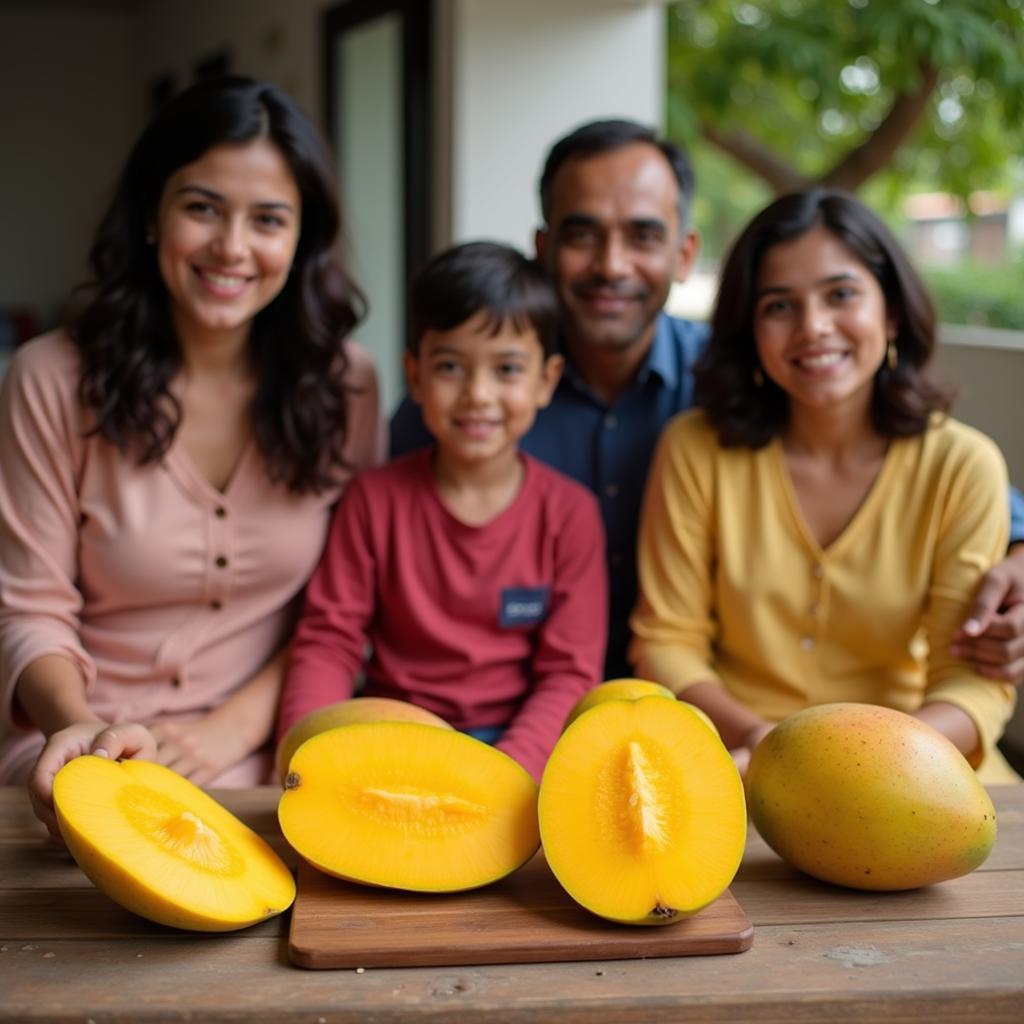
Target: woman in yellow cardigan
815,532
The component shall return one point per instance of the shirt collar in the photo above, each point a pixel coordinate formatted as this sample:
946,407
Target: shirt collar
660,360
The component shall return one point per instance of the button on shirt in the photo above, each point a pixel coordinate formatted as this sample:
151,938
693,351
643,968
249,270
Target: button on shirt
166,592
607,447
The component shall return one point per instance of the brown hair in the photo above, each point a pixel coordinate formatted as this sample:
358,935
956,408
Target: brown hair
745,414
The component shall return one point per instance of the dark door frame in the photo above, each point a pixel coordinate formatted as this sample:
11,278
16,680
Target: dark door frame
416,21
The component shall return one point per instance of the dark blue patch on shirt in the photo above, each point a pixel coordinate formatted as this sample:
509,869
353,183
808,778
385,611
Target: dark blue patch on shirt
523,606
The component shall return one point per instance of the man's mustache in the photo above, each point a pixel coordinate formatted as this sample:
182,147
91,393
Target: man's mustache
599,287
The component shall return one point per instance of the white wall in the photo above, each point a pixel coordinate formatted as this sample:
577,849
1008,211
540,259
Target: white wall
987,369
523,73
69,108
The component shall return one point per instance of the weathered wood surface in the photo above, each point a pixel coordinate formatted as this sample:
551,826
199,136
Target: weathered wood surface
952,952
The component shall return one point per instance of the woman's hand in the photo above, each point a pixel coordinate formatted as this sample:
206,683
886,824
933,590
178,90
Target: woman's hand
125,739
199,749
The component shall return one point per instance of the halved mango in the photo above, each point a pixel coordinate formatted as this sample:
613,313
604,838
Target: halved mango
642,812
409,806
346,712
159,846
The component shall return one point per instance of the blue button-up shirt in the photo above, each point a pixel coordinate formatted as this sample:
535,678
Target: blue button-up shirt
608,448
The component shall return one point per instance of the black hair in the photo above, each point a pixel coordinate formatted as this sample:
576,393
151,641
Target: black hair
596,137
746,408
488,277
122,326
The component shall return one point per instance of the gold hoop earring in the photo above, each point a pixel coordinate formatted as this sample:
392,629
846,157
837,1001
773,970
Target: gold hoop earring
758,377
892,356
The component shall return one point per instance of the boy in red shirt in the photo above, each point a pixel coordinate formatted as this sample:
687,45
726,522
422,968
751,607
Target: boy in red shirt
475,573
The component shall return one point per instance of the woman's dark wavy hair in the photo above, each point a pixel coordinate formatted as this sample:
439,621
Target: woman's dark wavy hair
122,324
745,414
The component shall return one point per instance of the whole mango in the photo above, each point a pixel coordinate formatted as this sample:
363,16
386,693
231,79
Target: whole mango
868,797
616,689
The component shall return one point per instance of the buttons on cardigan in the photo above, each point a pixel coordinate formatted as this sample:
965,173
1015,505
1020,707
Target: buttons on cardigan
221,562
817,571
176,682
807,643
220,511
216,605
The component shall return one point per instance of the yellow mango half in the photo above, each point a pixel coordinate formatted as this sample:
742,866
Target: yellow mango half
642,813
868,797
160,847
345,712
409,806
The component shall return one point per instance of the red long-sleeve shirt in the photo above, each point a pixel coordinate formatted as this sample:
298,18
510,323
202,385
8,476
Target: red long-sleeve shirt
502,624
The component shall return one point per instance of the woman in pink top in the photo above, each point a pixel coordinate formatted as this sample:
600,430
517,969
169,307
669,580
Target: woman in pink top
168,463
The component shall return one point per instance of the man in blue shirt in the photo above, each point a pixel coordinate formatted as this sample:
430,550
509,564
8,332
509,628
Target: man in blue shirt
616,234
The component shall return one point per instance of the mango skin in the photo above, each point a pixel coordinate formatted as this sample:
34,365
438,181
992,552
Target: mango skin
869,798
616,689
348,712
628,689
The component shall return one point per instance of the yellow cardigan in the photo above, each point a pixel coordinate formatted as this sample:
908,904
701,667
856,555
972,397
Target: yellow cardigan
734,588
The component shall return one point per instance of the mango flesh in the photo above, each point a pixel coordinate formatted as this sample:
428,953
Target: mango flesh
409,806
869,798
346,712
160,847
642,814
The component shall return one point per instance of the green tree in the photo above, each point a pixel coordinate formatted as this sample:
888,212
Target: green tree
926,92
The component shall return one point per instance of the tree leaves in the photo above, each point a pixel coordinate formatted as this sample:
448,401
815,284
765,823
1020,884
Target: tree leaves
836,89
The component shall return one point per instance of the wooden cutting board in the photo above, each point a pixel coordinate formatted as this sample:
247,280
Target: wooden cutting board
525,918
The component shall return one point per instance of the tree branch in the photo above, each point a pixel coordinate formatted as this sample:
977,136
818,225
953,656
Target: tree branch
853,169
755,156
877,150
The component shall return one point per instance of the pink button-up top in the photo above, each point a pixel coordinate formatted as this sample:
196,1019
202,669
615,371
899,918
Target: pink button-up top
167,593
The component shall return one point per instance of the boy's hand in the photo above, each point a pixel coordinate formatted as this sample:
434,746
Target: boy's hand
992,636
126,739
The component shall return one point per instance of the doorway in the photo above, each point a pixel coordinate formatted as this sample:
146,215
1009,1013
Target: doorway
378,109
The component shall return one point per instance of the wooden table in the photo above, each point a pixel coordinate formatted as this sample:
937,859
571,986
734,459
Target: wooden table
952,952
